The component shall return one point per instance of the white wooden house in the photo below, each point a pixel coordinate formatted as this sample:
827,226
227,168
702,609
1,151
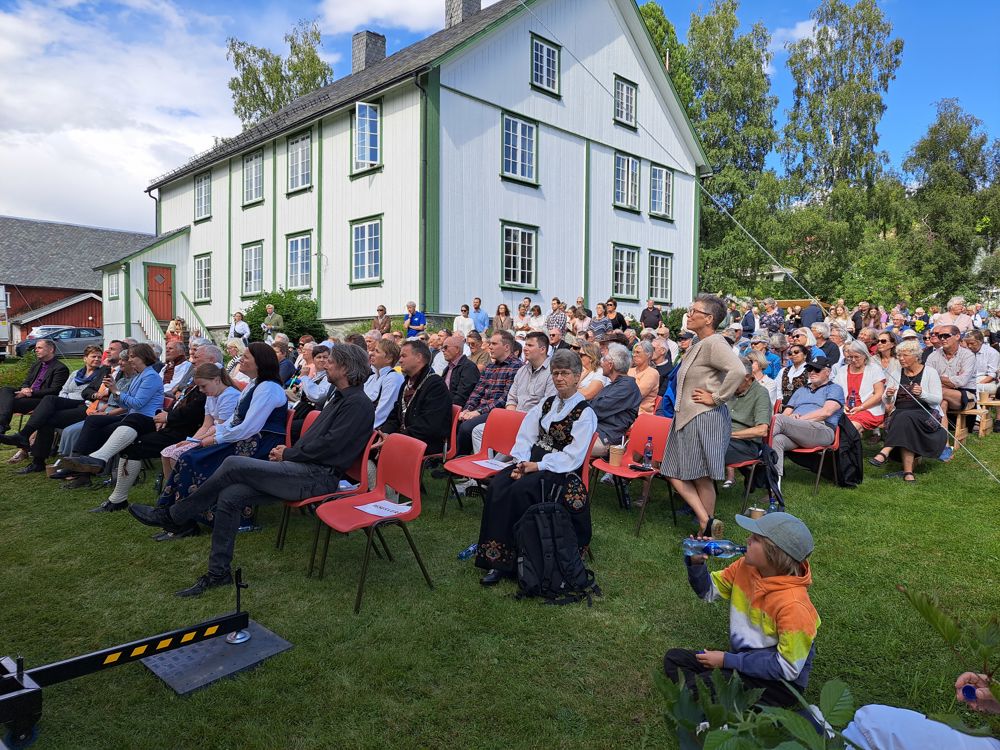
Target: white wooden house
530,148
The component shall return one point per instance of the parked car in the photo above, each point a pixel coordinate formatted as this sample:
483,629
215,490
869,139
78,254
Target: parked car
69,341
38,331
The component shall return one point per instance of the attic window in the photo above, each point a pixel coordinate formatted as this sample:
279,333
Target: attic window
544,65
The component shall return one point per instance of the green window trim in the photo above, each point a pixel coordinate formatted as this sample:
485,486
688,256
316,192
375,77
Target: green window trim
669,177
638,260
510,285
243,249
504,116
635,104
297,191
199,218
194,286
373,168
669,257
557,91
354,283
252,204
243,177
637,208
288,162
117,277
288,266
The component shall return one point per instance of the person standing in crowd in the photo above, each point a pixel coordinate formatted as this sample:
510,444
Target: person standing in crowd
813,313
239,329
460,374
381,322
272,325
747,321
650,317
600,324
463,324
479,316
522,321
708,377
773,319
536,322
858,316
557,318
415,321
503,321
617,320
586,310
46,377
491,390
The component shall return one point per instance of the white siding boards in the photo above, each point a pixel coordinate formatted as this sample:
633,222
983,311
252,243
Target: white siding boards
504,169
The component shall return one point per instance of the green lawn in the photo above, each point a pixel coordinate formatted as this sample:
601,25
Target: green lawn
459,666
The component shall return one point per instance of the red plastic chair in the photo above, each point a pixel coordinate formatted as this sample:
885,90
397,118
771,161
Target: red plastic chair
358,472
288,427
398,467
822,450
777,407
168,401
450,445
499,435
754,463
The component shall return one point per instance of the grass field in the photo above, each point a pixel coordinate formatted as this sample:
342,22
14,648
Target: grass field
460,666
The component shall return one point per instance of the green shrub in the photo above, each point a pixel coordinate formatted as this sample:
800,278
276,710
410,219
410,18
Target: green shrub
14,371
673,320
300,313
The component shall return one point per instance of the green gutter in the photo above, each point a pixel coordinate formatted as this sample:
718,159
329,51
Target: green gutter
431,288
229,248
697,233
127,280
319,221
586,226
274,215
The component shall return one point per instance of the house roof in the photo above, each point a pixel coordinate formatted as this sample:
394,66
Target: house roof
392,69
60,256
41,312
149,242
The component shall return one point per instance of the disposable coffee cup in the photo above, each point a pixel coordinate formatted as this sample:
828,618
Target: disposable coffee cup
756,512
50,470
615,455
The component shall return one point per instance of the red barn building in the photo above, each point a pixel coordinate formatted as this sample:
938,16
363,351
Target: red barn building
47,271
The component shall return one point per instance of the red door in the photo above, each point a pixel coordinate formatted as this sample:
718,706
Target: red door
160,291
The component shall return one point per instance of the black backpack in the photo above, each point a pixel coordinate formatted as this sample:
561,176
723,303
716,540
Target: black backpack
548,557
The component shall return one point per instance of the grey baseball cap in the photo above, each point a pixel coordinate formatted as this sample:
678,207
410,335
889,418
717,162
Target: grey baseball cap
787,532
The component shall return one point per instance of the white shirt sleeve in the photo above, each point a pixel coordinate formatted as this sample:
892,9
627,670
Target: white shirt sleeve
315,389
225,404
266,397
180,372
392,381
930,387
574,454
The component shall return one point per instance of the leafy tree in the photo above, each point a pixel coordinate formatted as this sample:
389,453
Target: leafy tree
841,74
669,48
265,82
300,313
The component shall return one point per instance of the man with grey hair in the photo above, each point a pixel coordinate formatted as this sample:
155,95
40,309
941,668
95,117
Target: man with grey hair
617,404
371,339
313,466
158,351
956,316
957,368
415,321
177,367
830,350
750,413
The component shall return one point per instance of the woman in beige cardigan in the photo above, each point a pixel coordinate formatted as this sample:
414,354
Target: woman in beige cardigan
696,449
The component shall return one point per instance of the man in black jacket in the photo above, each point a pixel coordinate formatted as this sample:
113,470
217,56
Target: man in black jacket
45,378
312,467
423,407
461,373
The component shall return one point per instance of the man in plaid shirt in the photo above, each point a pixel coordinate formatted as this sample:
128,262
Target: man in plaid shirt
491,390
557,318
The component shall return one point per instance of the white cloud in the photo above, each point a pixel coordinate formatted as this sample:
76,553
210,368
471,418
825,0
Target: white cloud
338,16
784,35
105,98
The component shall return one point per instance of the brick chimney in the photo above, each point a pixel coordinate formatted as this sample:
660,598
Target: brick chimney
367,48
456,11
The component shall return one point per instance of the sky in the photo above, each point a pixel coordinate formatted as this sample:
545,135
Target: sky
99,98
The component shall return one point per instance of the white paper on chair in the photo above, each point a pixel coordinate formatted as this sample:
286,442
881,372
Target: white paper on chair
384,509
493,464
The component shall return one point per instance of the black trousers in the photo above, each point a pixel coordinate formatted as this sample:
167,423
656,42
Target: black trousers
9,406
685,661
96,429
464,434
53,413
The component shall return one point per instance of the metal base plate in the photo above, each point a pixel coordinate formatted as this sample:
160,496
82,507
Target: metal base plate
192,667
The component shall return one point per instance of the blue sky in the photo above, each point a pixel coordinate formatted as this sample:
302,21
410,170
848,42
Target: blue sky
97,98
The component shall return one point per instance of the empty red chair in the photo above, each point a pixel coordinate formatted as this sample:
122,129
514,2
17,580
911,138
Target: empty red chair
399,466
822,450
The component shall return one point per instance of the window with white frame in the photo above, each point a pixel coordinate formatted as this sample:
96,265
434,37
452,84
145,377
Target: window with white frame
519,148
661,191
253,176
626,181
661,269
203,278
253,269
299,261
366,251
625,92
299,162
625,272
519,248
544,64
113,286
203,196
367,148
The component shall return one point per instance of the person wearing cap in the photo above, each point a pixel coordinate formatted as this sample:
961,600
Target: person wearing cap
760,343
772,621
811,416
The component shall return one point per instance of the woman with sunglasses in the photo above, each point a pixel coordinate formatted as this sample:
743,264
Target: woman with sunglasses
885,355
709,375
599,324
616,318
793,376
381,322
593,380
863,383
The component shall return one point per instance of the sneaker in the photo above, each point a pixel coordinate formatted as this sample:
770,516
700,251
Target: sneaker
463,487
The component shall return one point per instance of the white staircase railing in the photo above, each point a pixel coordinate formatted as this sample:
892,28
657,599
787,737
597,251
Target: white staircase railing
195,325
149,326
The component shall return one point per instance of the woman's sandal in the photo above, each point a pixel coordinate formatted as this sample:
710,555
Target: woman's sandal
875,462
908,477
728,483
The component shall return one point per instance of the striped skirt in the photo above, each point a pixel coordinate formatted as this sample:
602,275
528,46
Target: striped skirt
698,449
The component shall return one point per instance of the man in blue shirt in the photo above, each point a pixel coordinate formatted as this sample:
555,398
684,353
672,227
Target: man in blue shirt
811,415
479,317
415,321
812,314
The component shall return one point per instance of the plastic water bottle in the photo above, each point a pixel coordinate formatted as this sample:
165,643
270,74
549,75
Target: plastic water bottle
715,548
772,506
852,400
969,693
468,552
647,453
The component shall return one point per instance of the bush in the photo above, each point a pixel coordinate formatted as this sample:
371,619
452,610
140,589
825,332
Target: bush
673,320
300,313
14,371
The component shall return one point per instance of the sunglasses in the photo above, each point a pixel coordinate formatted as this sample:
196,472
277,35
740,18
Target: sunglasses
944,336
884,341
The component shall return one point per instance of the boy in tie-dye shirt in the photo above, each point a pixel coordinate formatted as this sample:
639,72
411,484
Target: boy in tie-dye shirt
772,622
